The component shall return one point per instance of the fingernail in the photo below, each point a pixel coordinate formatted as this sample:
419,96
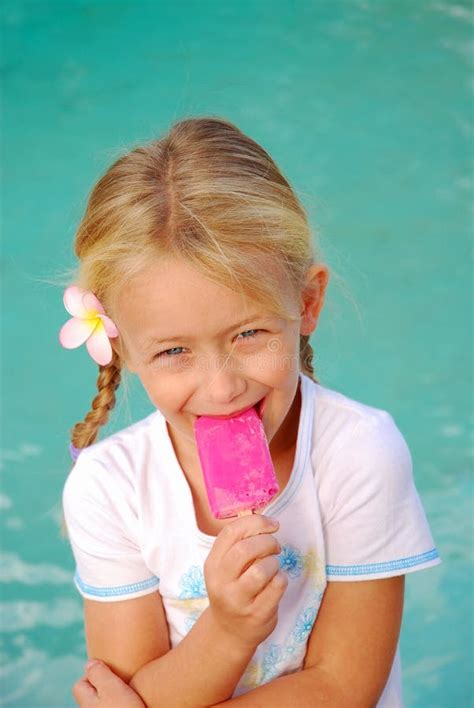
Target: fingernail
91,663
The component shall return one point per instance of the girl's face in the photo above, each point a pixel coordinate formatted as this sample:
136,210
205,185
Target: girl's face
201,349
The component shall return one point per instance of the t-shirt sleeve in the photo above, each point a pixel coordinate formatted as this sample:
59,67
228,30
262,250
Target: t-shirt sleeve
102,526
374,523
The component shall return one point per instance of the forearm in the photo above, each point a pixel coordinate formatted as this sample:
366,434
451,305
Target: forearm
202,670
309,687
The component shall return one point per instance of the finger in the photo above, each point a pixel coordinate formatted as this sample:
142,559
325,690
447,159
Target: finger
242,527
84,693
258,576
103,678
111,690
246,551
266,601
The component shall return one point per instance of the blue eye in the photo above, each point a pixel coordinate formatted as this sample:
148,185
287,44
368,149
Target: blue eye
167,353
248,332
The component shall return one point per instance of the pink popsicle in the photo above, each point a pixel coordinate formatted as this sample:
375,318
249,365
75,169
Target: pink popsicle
236,463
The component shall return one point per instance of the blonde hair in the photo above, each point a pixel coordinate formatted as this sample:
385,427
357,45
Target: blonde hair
204,192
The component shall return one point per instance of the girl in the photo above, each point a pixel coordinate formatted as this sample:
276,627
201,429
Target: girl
197,273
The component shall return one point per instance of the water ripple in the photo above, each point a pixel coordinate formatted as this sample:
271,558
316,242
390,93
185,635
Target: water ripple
38,679
22,614
20,454
452,10
14,569
5,502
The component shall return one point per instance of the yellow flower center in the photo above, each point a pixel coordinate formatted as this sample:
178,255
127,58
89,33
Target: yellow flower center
93,317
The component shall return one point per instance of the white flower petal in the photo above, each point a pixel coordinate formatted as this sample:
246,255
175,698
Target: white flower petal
75,332
98,345
110,326
91,303
73,301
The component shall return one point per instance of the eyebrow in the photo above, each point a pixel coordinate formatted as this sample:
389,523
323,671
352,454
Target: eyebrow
153,341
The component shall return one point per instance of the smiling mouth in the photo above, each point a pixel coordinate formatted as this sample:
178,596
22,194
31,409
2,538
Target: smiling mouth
259,407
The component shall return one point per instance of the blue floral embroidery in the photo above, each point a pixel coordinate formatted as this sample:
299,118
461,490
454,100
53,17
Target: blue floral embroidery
192,584
191,619
269,662
291,561
309,570
304,624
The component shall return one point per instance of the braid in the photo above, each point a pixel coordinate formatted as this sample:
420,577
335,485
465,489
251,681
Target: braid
85,432
306,357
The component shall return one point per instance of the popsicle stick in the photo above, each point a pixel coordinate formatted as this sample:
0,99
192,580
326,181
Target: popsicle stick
245,513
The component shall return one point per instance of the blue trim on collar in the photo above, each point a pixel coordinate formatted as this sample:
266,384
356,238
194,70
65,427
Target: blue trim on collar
382,567
303,449
118,590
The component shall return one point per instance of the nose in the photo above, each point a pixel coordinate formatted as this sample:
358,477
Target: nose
223,383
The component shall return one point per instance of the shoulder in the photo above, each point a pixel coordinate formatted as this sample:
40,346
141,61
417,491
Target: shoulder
355,444
336,414
112,466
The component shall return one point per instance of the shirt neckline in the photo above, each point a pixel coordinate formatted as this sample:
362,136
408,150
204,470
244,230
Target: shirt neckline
299,465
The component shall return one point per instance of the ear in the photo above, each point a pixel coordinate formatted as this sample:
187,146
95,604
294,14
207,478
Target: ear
312,297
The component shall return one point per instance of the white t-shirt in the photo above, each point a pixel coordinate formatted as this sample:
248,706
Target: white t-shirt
350,511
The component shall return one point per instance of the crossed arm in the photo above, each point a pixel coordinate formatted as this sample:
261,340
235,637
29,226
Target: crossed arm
348,660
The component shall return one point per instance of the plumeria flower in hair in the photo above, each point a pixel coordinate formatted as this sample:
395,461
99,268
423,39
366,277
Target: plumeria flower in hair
89,324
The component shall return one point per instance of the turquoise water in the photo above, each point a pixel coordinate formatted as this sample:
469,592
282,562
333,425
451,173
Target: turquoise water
367,108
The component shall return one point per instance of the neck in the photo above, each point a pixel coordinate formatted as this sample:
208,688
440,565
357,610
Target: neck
286,436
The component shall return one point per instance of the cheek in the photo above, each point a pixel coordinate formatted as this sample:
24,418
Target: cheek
153,388
278,358
164,392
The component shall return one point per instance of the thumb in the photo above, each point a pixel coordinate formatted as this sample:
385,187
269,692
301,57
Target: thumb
110,688
84,693
100,676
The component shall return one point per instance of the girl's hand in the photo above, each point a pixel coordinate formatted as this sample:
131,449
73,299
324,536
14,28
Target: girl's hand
102,688
243,579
